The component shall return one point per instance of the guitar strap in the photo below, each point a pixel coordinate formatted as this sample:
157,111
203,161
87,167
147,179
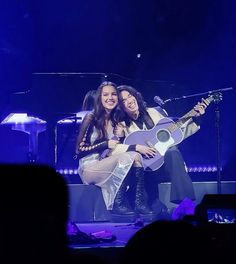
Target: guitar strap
161,111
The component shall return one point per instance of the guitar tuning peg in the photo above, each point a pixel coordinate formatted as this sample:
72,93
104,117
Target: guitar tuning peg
217,97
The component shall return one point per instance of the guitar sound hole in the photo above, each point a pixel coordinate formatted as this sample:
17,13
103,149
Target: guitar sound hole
163,135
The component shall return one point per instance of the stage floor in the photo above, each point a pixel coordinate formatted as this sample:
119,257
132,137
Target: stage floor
121,231
107,252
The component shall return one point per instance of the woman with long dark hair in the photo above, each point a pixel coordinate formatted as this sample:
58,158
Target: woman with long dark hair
95,141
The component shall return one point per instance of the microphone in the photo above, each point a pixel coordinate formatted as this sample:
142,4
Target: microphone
158,100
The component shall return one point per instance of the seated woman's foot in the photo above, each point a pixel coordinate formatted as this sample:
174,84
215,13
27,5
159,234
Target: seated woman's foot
122,210
143,210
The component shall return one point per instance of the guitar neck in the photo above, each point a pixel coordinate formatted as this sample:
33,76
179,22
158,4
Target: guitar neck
182,120
176,125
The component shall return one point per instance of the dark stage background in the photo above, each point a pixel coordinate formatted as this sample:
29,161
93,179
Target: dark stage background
162,47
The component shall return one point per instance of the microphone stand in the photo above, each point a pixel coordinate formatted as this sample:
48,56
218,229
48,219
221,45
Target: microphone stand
197,94
218,145
217,99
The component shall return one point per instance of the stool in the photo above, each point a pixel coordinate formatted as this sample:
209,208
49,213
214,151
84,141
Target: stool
200,188
86,204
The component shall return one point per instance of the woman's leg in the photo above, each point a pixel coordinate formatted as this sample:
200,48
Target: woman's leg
181,183
140,202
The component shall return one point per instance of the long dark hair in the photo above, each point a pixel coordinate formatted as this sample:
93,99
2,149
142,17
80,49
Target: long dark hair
138,96
88,102
100,113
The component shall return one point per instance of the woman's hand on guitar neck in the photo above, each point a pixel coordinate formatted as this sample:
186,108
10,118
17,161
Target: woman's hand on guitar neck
146,151
201,106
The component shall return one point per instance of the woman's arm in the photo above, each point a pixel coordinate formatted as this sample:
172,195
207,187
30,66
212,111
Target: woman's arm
83,144
192,125
121,148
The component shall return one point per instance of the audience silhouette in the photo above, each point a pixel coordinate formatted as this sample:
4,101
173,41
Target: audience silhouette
34,219
182,241
165,241
34,216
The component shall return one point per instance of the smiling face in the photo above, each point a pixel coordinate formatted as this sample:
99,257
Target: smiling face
130,104
109,98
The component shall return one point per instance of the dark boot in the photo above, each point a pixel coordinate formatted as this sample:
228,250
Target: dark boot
121,205
141,206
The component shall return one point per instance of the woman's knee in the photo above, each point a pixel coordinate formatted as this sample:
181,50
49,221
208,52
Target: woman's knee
173,153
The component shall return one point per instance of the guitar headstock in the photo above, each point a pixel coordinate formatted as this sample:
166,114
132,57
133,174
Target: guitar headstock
215,97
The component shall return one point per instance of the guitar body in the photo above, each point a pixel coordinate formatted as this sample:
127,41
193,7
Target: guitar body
158,137
165,134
